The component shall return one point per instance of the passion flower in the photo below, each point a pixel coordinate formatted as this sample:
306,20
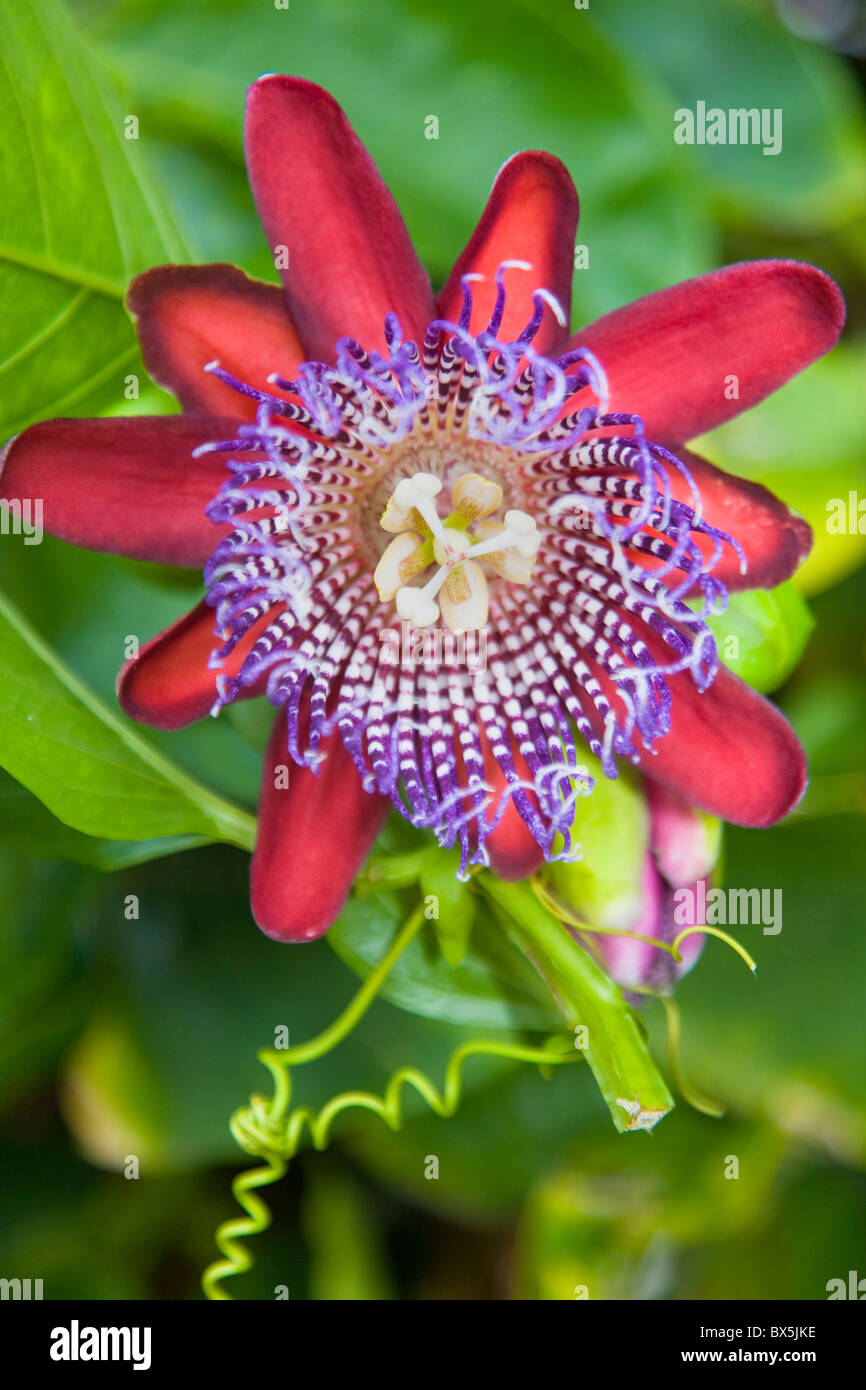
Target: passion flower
354,454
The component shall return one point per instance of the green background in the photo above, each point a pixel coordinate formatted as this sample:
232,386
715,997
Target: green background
138,1036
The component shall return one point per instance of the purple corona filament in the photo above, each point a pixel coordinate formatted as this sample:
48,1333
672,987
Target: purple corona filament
307,486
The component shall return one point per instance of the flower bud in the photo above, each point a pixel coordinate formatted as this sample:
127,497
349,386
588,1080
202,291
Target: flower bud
685,841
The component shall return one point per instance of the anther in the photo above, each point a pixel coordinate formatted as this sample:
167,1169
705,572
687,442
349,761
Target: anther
424,539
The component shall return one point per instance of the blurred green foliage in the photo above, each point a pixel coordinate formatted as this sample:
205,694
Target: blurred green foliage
137,1035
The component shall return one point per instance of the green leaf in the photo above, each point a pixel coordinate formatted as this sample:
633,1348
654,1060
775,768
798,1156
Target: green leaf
87,764
87,606
26,826
762,634
492,987
78,219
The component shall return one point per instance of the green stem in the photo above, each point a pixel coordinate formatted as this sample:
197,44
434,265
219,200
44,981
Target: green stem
353,1013
615,1048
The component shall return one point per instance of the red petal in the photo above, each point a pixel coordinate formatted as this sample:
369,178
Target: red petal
189,315
775,541
728,750
169,684
669,357
314,835
531,215
320,196
127,485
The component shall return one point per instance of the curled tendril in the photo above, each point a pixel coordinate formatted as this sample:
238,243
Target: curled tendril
271,1130
229,1235
554,905
690,1093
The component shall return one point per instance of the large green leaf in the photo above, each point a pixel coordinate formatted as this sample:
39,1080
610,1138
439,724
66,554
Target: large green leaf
87,606
87,764
78,218
27,826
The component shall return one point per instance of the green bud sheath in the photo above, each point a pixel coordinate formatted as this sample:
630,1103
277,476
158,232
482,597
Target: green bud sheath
612,827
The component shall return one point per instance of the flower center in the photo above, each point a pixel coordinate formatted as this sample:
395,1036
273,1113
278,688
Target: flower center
469,477
454,547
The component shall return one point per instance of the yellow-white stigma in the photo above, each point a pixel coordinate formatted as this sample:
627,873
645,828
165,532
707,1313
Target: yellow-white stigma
423,539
